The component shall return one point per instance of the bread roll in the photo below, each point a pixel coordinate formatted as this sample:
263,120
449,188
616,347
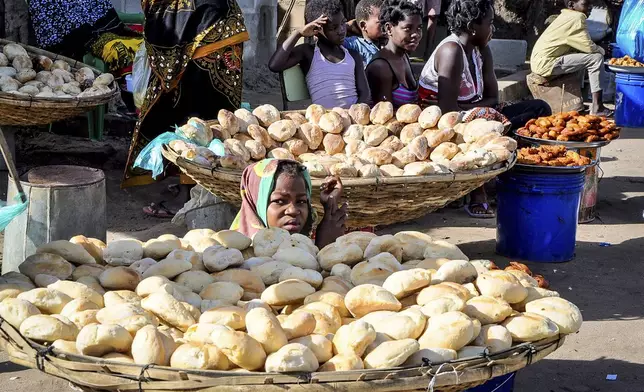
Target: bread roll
501,284
296,117
120,278
93,246
321,347
167,308
46,264
296,146
233,317
408,113
97,340
281,153
296,257
381,113
266,115
71,252
445,303
404,283
354,147
413,243
223,291
495,337
199,357
391,171
452,330
360,113
392,144
391,354
534,293
342,362
444,152
77,290
333,144
376,156
488,310
562,312
435,138
256,149
449,120
312,277
299,324
457,271
429,117
130,316
353,338
93,270
282,130
443,249
123,252
369,171
419,148
530,327
403,157
442,289
368,298
15,311
218,258
354,132
400,326
314,113
410,132
385,243
311,134
228,121
375,134
287,292
148,348
48,301
240,349
261,135
42,280
248,280
344,170
331,122
336,253
44,328
244,119
525,279
264,327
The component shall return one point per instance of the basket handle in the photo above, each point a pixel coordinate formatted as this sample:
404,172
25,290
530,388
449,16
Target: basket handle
8,159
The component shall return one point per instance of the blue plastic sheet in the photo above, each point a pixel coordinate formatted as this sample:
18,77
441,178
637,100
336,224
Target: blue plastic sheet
8,213
151,157
217,146
630,32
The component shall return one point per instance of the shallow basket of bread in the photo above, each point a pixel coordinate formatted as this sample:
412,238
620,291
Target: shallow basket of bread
395,165
38,87
216,309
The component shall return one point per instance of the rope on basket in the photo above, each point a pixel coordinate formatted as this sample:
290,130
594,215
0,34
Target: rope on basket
142,376
532,350
41,356
432,382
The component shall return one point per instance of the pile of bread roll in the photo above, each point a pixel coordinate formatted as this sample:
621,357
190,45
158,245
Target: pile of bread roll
359,142
219,300
42,77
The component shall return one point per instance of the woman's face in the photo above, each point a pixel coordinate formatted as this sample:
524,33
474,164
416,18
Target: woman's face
482,32
407,33
288,206
335,30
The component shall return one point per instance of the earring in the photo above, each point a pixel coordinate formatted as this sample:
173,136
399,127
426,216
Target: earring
473,33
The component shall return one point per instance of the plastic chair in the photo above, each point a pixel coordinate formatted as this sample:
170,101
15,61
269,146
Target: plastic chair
96,117
293,85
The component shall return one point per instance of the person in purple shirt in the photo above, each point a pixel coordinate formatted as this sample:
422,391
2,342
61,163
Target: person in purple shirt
367,29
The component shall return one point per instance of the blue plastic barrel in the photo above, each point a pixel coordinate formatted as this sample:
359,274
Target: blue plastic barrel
536,217
504,383
629,100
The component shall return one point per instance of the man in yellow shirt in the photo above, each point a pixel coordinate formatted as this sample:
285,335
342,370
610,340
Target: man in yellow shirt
565,47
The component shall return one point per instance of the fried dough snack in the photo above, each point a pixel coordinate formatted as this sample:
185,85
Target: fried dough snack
625,61
571,126
551,156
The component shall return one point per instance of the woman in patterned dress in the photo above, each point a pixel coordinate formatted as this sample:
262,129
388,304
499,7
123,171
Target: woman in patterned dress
73,28
195,51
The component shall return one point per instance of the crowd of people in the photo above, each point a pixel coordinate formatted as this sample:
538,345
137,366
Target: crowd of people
195,51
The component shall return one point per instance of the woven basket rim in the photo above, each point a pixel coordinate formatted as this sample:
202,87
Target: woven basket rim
231,174
25,351
9,99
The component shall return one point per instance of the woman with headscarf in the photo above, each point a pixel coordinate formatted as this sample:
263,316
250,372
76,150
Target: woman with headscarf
74,28
277,193
195,52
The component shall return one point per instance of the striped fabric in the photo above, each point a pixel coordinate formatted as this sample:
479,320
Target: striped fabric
332,84
403,95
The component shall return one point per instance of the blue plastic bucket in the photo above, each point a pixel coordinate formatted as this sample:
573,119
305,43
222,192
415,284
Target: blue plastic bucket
629,100
503,383
536,217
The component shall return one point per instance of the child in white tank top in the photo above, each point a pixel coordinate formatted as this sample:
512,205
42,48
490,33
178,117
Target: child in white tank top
334,75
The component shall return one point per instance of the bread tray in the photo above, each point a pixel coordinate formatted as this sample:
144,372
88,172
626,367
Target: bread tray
537,141
623,69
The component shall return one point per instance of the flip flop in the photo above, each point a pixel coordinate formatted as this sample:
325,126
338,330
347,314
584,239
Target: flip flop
604,113
487,215
158,210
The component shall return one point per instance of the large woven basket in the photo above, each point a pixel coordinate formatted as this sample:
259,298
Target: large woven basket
17,110
95,374
372,201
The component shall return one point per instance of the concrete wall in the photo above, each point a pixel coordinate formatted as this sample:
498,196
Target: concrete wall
261,21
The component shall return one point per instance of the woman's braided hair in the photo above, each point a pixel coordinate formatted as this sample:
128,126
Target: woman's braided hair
395,11
462,13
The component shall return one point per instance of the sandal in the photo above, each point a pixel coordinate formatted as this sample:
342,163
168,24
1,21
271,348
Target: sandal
158,210
488,214
604,113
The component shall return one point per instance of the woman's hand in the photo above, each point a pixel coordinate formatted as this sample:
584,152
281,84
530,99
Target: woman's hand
315,27
330,192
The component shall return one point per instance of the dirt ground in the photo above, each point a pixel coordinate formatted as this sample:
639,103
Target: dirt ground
604,281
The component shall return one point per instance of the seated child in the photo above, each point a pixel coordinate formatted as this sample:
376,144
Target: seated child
334,75
368,22
565,47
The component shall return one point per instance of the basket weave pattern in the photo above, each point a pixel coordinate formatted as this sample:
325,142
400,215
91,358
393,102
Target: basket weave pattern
18,110
96,374
372,201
